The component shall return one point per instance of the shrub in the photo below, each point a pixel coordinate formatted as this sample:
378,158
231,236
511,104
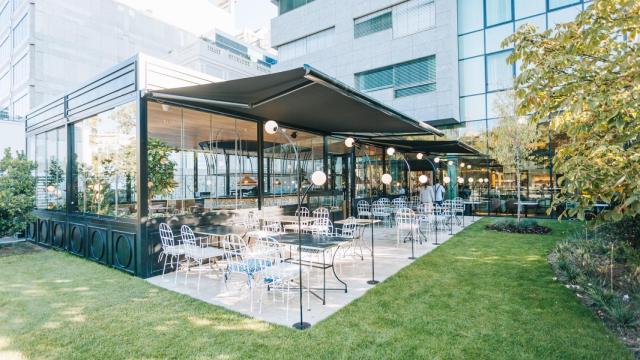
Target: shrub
622,313
17,192
526,226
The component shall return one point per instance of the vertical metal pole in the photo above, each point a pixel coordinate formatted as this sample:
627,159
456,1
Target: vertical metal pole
261,179
144,266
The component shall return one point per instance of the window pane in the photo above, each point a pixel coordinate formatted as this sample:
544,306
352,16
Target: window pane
288,5
471,45
4,112
5,50
553,4
21,70
415,72
499,72
5,15
472,108
372,23
470,16
496,35
539,22
526,8
492,101
413,16
105,171
21,107
498,11
376,79
5,84
563,16
472,76
21,31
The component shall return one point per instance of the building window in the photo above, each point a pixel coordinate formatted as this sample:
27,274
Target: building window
288,5
496,35
554,4
471,45
470,15
4,111
307,45
5,50
408,78
564,15
472,108
498,11
472,76
21,107
51,160
526,8
21,31
413,16
407,18
373,23
21,70
5,85
499,72
5,15
233,46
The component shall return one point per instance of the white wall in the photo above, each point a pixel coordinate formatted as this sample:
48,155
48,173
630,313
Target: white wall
11,135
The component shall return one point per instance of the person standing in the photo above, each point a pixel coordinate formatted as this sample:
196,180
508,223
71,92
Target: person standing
426,193
438,191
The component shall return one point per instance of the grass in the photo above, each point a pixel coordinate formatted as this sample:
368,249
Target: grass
480,295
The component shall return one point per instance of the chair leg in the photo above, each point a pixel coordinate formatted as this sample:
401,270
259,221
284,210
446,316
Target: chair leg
186,273
164,267
175,278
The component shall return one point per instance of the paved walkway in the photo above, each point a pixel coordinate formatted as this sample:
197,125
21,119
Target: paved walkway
389,259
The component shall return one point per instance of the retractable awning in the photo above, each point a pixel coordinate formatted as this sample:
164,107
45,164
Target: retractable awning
303,98
426,146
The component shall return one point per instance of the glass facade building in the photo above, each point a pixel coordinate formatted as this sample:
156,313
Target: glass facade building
484,78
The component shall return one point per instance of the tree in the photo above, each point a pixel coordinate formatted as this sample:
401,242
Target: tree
161,169
17,192
512,142
584,77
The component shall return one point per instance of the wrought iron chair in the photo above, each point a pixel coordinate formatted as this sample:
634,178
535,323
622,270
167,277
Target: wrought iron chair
405,225
381,211
364,210
170,248
196,252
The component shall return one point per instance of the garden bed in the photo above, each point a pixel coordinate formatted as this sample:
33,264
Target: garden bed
526,226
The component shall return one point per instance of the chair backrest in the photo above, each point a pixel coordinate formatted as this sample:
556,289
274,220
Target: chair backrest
303,212
384,201
188,238
426,208
166,235
321,212
268,248
405,217
322,226
350,228
363,206
235,249
272,226
379,209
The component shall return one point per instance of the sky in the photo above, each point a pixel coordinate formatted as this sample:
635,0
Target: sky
254,14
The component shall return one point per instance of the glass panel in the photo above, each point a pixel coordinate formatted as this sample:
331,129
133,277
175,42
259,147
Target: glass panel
5,49
280,164
472,108
492,100
397,168
539,21
413,16
105,163
21,31
563,16
21,107
526,8
200,162
321,40
288,5
470,15
415,72
499,72
5,15
4,111
471,45
375,79
5,84
50,153
498,11
21,70
373,23
368,171
554,4
496,35
472,76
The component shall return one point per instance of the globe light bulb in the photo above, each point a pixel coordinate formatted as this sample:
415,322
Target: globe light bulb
468,166
318,178
348,142
461,164
460,180
271,127
386,179
423,179
450,162
470,180
436,160
419,156
447,179
391,151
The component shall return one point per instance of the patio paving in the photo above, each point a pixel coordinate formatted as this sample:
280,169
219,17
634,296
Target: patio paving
389,259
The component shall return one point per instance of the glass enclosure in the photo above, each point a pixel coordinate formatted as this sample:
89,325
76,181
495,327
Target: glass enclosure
49,150
104,168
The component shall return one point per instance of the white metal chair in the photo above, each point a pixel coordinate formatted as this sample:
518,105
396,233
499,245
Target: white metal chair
321,226
240,262
304,214
458,209
275,273
405,225
349,230
321,212
196,251
381,211
170,248
364,210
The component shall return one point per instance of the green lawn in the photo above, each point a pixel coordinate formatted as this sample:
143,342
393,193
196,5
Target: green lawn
481,295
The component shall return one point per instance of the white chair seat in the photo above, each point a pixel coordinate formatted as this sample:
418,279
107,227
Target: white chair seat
207,253
173,250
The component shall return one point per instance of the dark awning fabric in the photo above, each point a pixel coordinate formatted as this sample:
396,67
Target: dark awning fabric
303,98
427,147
